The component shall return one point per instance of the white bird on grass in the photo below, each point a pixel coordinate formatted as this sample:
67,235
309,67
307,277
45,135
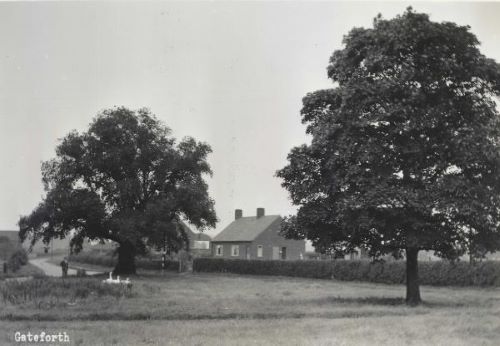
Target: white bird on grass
110,280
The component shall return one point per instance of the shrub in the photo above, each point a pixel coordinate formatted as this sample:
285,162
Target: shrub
18,259
439,273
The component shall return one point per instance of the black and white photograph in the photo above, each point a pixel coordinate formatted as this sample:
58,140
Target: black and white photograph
250,173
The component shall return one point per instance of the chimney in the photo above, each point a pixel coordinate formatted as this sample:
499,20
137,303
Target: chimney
238,214
260,212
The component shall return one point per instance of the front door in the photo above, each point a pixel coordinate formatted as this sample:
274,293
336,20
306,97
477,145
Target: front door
276,252
248,252
283,253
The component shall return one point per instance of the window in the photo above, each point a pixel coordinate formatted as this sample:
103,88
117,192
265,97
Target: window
259,250
218,250
235,250
201,244
283,253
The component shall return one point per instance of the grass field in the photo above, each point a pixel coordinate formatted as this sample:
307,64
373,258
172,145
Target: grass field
211,309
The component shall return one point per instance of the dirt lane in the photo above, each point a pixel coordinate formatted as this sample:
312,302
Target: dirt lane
54,270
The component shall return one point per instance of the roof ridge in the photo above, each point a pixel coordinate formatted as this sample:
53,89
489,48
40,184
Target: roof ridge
246,228
256,216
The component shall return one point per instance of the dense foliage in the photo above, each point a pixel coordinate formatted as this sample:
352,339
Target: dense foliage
405,147
127,180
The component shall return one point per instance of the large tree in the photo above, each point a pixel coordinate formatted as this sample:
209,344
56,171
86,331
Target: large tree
126,180
405,147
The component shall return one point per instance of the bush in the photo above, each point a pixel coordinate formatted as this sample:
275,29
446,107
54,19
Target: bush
18,259
439,273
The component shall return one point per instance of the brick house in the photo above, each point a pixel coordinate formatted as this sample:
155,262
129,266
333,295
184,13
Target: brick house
256,237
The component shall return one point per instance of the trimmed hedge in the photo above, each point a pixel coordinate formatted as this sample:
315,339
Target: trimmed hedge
439,273
306,269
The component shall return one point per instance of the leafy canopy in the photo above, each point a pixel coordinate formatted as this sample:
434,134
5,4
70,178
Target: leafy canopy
405,146
125,179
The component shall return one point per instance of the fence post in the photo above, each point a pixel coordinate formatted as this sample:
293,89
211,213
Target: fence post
163,262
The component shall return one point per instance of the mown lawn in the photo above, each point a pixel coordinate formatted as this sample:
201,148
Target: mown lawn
213,309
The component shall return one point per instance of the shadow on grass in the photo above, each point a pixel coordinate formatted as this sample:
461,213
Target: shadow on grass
385,301
142,316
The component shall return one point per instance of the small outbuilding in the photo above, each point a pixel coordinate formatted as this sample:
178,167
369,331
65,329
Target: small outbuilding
199,243
256,237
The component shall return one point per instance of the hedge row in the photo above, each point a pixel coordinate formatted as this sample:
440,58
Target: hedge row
106,260
439,273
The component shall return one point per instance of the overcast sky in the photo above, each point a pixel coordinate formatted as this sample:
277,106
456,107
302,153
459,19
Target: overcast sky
230,74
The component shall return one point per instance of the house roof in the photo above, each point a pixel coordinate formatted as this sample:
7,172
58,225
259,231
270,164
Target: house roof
246,228
195,235
201,236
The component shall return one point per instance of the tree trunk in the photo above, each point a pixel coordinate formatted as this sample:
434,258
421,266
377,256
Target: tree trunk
412,282
126,259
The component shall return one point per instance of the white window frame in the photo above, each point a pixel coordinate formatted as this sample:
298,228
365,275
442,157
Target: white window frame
260,251
233,252
217,248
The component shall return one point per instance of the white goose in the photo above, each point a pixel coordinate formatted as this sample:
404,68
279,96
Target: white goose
110,280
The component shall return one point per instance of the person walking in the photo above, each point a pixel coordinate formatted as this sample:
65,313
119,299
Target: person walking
64,267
